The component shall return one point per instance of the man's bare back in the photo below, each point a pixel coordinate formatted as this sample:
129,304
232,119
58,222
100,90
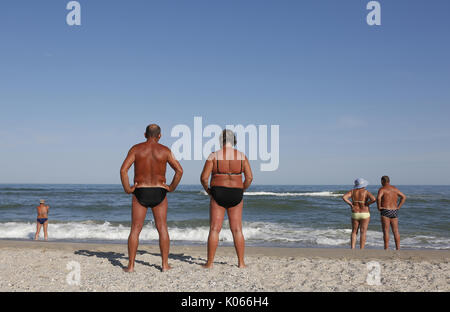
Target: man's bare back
42,211
388,196
150,164
150,161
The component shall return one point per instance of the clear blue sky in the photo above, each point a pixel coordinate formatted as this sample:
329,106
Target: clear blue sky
351,100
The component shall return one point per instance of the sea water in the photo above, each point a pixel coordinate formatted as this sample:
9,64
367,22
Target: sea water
273,215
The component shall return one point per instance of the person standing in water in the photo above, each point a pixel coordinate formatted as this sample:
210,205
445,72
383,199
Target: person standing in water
42,219
388,205
361,199
149,190
226,167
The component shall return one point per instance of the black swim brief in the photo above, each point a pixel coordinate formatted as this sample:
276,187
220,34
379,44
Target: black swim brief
227,197
389,213
150,196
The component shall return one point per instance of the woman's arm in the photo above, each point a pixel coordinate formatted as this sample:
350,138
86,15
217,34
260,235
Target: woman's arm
372,199
247,173
346,198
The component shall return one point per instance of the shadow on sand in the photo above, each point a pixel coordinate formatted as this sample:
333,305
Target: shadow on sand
115,257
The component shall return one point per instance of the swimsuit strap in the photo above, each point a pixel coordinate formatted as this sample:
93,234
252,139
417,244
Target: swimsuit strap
236,154
241,166
358,201
229,173
217,159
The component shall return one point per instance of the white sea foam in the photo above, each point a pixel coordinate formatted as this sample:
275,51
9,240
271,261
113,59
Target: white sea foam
89,230
254,232
311,194
286,194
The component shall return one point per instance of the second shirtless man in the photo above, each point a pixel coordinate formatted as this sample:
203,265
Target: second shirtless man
149,190
388,205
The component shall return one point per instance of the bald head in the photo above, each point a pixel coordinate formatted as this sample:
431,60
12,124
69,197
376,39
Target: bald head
152,131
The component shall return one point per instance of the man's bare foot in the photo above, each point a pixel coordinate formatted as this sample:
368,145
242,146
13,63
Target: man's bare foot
242,266
207,266
166,268
128,270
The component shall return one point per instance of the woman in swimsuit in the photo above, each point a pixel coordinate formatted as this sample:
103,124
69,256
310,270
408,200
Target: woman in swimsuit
226,167
361,200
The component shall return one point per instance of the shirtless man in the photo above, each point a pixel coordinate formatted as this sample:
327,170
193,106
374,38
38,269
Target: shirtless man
387,203
149,190
42,219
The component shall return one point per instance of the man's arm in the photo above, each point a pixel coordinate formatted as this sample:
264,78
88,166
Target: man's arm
173,162
129,160
207,169
402,199
379,198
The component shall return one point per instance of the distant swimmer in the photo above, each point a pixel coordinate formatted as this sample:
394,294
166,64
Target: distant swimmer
388,205
149,190
361,200
42,219
226,167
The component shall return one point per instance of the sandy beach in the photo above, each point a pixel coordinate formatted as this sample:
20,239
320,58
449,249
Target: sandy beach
45,266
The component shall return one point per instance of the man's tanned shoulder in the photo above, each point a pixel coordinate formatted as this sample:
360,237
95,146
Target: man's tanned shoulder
164,149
